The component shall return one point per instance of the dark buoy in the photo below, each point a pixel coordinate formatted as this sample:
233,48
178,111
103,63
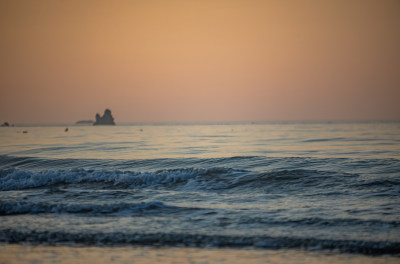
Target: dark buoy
66,129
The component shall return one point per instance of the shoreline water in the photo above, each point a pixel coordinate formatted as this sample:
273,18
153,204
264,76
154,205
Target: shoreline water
293,193
16,253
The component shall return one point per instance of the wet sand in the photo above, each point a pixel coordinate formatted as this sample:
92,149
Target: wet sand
72,254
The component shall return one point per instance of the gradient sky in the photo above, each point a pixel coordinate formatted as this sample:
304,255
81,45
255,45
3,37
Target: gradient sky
199,61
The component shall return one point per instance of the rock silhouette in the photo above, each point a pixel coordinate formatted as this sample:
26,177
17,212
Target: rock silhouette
106,119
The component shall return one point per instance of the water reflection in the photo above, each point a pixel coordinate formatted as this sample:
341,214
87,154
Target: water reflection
205,141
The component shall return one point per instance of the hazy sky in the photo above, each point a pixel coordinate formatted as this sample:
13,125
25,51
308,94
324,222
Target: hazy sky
199,60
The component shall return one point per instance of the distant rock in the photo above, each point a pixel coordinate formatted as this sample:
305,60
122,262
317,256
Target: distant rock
5,124
106,119
84,122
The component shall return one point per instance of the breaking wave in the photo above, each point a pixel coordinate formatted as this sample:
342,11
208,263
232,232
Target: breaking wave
186,178
16,179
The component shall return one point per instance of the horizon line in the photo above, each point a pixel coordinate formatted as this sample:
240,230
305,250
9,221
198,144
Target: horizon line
211,122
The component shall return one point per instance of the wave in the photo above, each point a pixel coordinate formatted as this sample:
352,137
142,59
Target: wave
27,162
325,140
23,207
15,179
387,165
374,183
191,174
189,179
185,178
321,222
198,240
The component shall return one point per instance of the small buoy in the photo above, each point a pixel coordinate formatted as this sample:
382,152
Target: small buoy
66,129
141,130
25,131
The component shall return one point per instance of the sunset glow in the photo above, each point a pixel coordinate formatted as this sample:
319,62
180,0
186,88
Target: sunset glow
199,61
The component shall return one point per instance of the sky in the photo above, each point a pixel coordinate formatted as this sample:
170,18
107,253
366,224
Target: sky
199,61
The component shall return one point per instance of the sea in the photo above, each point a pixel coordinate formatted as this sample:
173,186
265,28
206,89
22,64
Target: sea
305,186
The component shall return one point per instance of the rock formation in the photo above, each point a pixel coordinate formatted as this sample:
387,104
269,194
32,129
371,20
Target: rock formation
106,119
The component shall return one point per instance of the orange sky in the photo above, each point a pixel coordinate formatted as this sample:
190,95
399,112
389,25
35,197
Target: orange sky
195,61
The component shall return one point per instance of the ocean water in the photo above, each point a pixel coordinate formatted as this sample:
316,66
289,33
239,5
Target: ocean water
267,186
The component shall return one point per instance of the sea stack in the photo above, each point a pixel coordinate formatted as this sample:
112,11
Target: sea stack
106,119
